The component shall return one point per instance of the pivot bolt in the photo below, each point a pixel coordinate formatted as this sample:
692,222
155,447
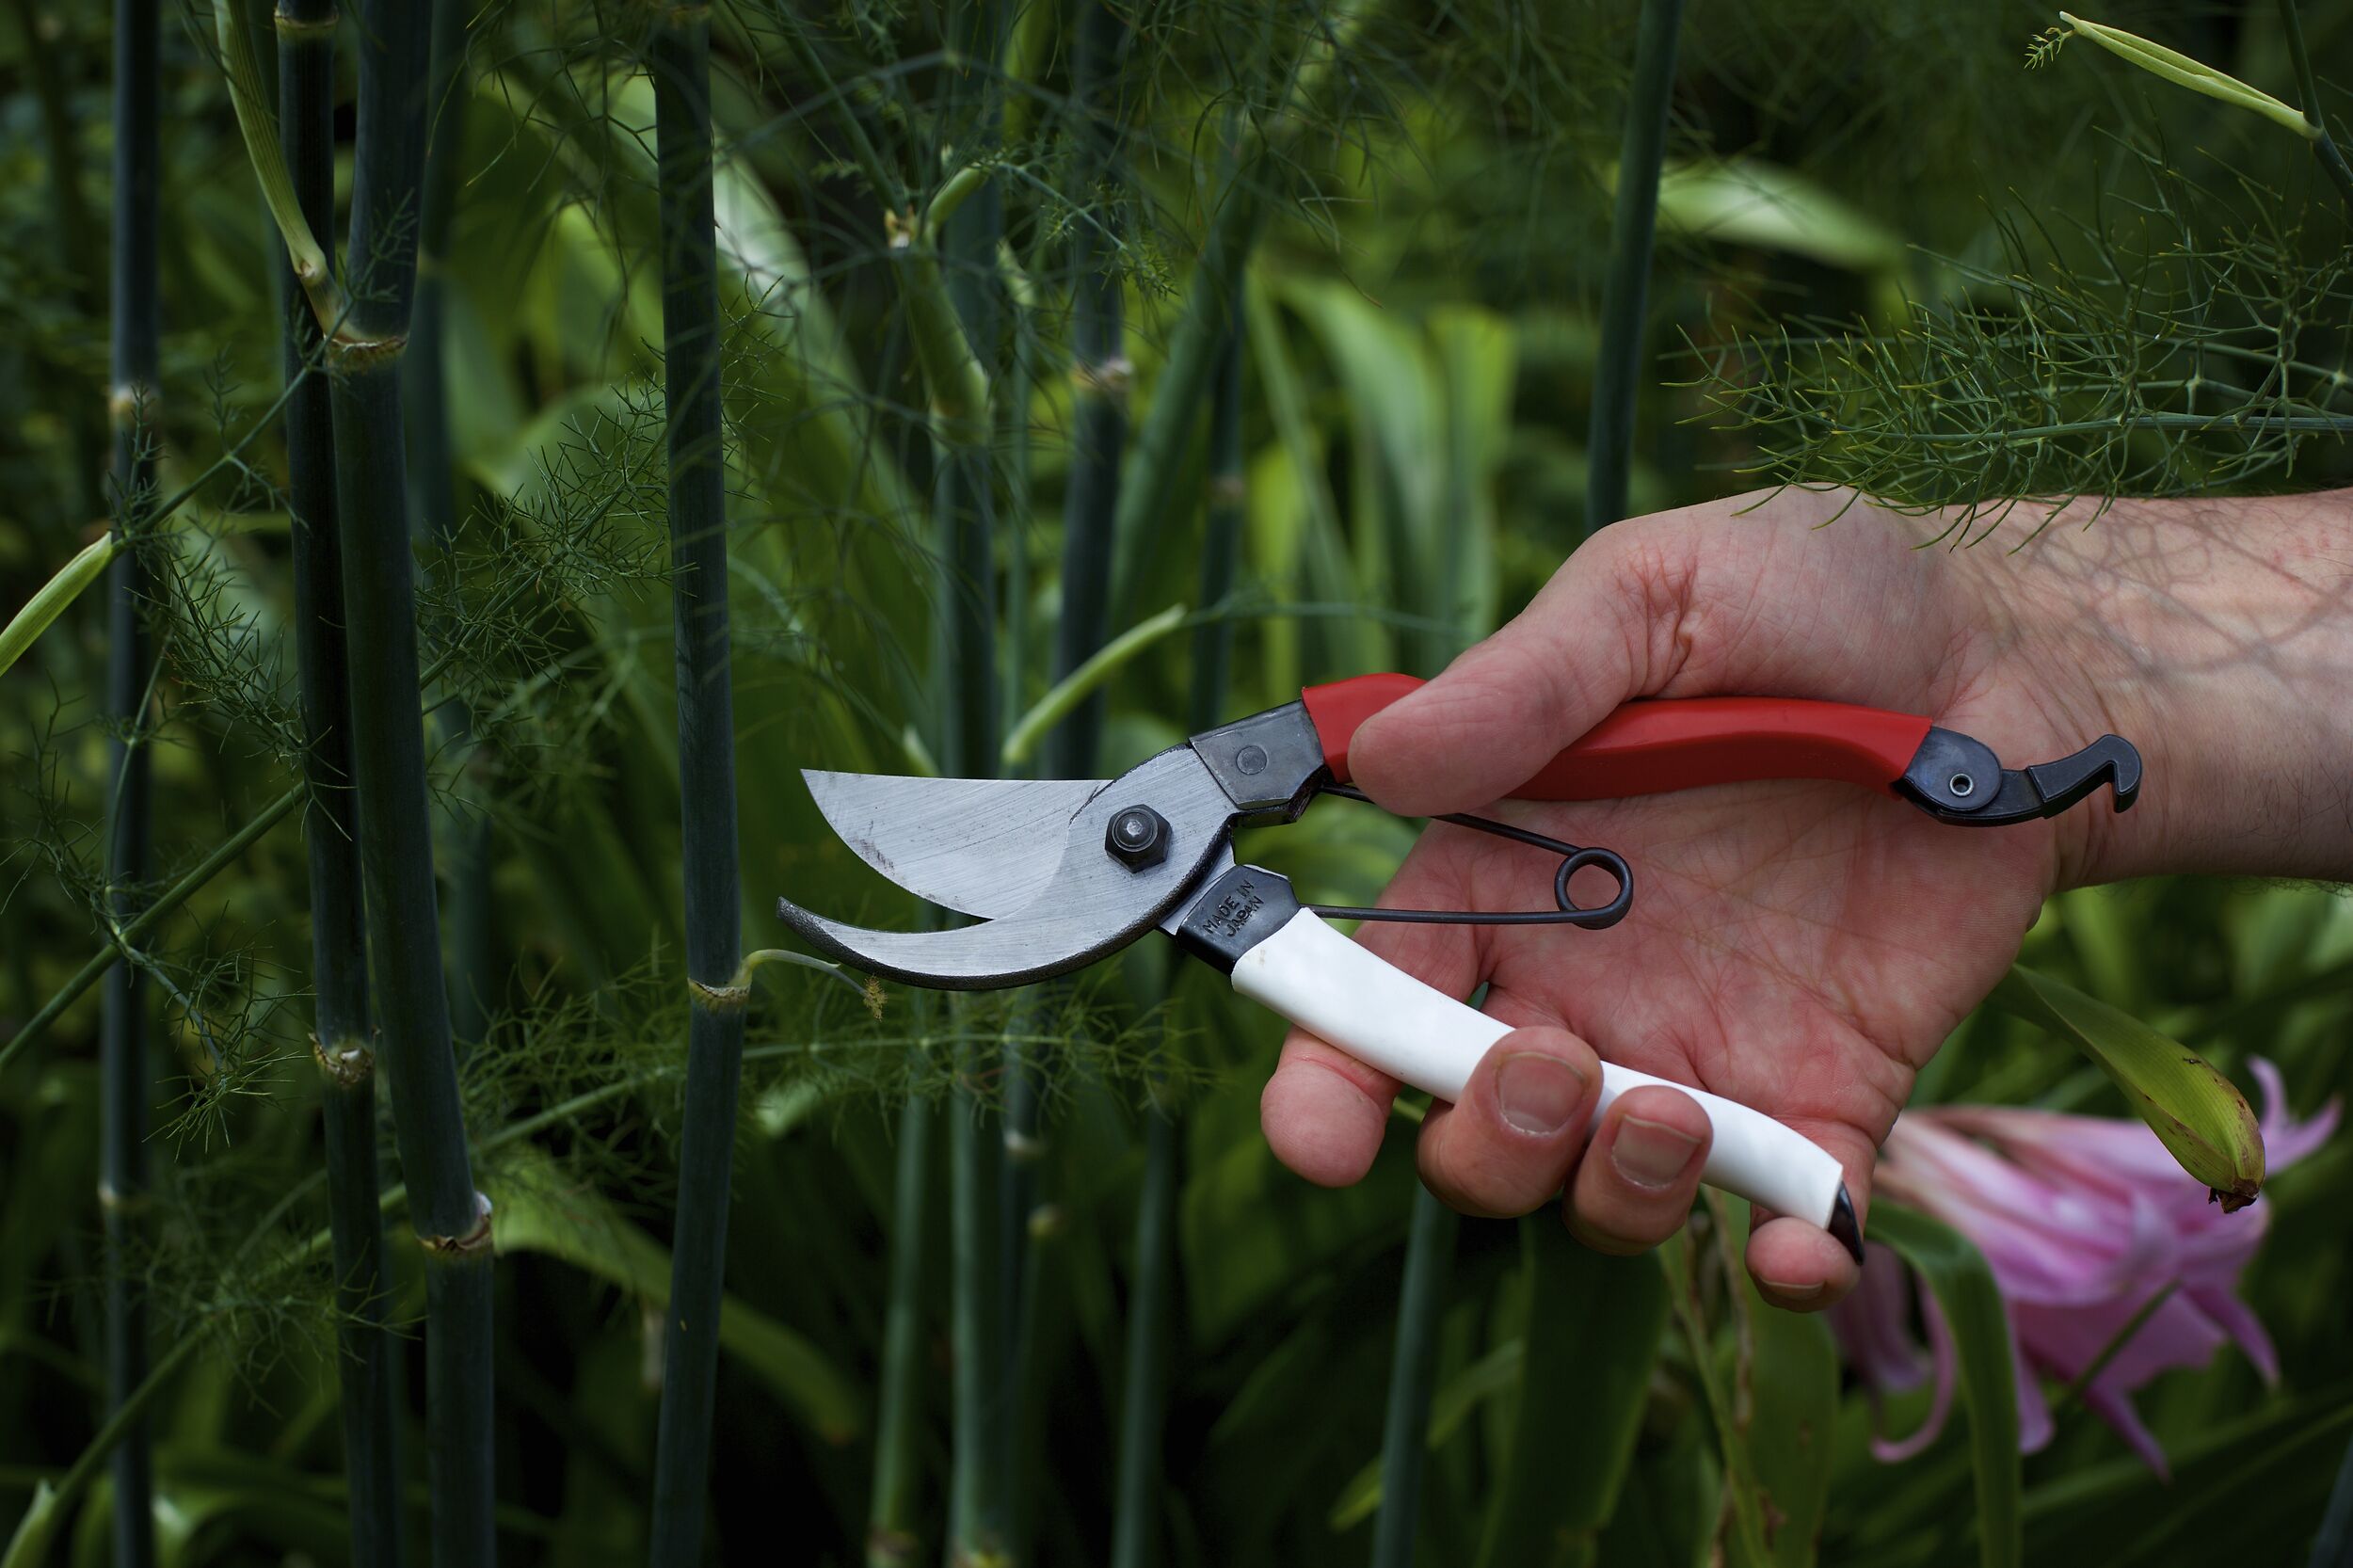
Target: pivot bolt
1137,838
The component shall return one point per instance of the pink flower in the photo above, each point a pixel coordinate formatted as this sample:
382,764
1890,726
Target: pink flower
2085,1220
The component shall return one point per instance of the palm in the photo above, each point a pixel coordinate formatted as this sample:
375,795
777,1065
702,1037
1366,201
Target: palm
1803,948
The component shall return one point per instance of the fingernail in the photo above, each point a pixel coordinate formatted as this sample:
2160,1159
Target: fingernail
1789,1293
1651,1154
1539,1093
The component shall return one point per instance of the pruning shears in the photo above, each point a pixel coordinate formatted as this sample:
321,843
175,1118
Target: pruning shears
1062,873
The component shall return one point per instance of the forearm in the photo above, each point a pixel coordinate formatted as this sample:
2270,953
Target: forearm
2217,636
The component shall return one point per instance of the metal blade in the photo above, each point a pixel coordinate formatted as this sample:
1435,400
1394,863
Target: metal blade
981,845
1088,904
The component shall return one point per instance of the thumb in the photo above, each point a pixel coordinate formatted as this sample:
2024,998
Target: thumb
1602,631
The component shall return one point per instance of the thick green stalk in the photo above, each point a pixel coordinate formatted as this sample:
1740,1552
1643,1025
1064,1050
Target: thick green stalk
1221,547
977,1493
122,1039
680,64
1618,372
965,513
1405,1426
342,1036
2325,146
433,501
1099,413
449,1216
891,1525
1138,1481
1136,1511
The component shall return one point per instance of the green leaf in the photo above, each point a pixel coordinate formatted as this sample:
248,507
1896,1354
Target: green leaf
1793,1382
1962,1283
583,1230
2197,75
1334,646
1764,206
1594,1328
35,1531
1498,1371
2196,1112
1080,683
259,127
52,598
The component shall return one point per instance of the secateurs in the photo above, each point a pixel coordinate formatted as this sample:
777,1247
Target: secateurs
1062,873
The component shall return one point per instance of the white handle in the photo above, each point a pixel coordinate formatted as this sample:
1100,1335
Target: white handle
1385,1018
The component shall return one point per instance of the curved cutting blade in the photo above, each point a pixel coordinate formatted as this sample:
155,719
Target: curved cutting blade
981,845
1087,904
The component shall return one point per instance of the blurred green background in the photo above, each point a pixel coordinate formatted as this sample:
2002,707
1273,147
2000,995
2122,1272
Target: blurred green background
1418,332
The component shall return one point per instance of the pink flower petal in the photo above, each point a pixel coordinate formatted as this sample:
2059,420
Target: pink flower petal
1874,1325
2237,1319
2116,1411
2286,1139
2081,1219
1894,1450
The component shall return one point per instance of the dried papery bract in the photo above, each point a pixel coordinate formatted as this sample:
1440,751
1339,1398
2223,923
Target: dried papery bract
680,61
343,1038
388,767
122,1041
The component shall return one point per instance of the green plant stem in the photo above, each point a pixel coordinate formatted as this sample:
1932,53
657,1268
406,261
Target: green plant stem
2325,146
976,1498
965,514
342,1033
680,65
433,501
1099,415
1221,547
1135,1509
1139,1479
123,1074
449,1216
1412,1370
891,1540
1618,371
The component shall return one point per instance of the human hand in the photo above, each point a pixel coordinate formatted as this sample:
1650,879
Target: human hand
1805,947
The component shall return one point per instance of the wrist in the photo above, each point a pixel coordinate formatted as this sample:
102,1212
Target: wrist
2217,638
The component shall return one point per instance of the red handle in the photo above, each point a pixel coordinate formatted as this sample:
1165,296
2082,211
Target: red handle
1650,748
